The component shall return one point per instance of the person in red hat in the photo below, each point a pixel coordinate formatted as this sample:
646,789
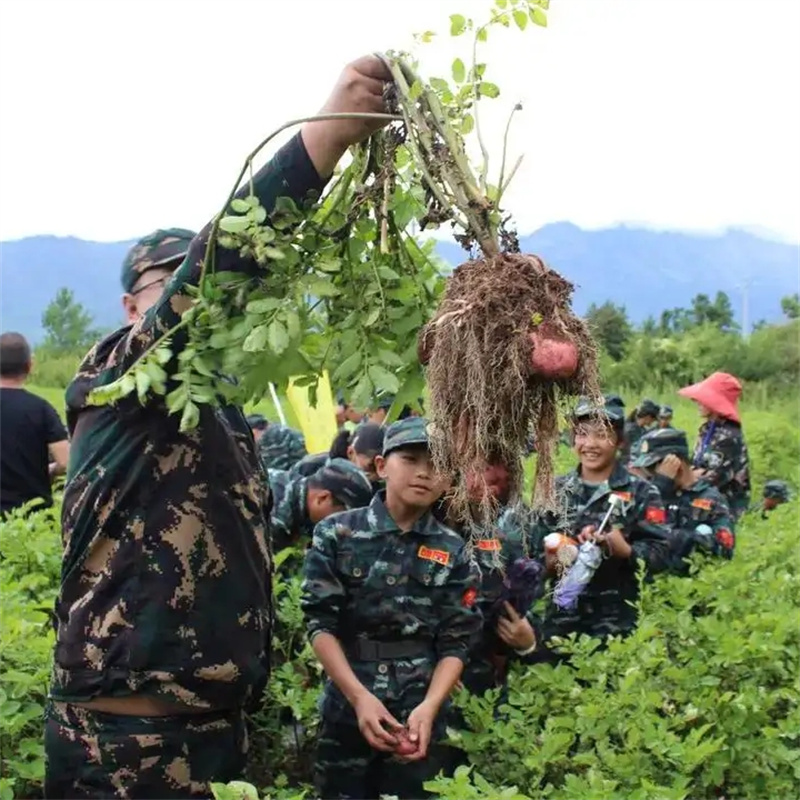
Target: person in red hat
720,454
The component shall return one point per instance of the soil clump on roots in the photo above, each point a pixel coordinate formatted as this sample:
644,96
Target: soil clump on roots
504,352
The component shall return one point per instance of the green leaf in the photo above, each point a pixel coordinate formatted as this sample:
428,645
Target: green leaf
126,385
459,71
240,206
329,265
382,379
372,317
414,91
256,340
467,124
482,34
458,24
501,3
427,36
234,224
259,214
190,416
293,325
387,273
347,368
278,337
538,17
323,288
521,18
390,358
487,89
263,306
142,385
440,85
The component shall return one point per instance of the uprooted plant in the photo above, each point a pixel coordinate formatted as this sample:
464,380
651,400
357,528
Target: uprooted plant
346,287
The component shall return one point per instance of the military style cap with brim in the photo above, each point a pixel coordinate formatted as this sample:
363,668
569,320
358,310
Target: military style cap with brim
665,412
647,408
162,248
385,402
655,446
776,490
408,432
346,482
614,399
256,421
608,410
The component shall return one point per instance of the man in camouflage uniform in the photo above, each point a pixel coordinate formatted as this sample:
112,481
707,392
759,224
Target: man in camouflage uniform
637,533
299,504
697,513
665,417
281,447
644,418
775,494
388,598
164,610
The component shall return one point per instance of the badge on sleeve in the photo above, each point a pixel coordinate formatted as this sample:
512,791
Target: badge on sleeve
656,516
469,598
489,544
439,556
703,503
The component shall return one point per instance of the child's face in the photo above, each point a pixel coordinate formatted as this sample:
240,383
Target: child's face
595,445
410,476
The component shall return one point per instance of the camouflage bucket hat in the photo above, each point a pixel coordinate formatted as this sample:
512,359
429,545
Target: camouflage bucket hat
405,433
161,248
609,410
665,412
655,446
776,490
256,421
648,408
346,482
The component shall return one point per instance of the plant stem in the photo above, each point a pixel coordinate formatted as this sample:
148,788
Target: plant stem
500,187
483,176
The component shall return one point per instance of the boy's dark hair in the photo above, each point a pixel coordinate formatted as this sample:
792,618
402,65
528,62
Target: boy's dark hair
340,444
15,355
368,439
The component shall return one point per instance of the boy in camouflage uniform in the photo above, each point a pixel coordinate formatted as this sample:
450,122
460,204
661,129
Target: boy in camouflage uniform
644,417
665,417
697,513
389,601
165,611
775,494
637,534
281,447
299,504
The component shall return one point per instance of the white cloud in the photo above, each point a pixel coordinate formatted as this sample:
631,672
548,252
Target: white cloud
119,117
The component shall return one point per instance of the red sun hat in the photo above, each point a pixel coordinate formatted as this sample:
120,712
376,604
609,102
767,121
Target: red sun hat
719,392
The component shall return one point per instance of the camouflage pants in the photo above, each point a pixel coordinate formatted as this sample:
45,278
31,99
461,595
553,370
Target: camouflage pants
347,767
96,755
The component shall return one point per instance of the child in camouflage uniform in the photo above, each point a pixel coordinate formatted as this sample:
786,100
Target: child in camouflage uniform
389,601
637,532
697,513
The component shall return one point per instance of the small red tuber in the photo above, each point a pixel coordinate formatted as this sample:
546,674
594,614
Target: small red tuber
552,358
404,747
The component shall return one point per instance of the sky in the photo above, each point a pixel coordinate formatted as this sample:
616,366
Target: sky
121,116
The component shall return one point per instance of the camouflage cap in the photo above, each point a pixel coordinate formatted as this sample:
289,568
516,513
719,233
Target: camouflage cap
586,408
647,408
162,248
405,433
656,445
665,412
614,399
776,490
346,482
256,421
385,402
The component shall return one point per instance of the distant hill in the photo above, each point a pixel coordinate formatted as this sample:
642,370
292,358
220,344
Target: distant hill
644,270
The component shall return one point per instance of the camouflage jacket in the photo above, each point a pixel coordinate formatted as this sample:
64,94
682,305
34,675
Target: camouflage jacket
721,451
688,509
371,585
281,447
603,607
166,577
633,435
289,517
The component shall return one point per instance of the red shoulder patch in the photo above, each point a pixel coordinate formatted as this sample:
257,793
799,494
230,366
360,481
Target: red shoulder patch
725,538
439,556
469,598
489,544
657,516
626,497
703,503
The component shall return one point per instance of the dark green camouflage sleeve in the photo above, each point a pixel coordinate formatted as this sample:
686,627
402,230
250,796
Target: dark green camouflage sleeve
322,592
290,173
460,620
649,534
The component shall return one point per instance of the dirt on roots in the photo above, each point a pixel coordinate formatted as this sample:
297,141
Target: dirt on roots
485,400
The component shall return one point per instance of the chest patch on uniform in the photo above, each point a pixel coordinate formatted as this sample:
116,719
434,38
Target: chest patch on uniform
469,598
626,497
702,502
489,544
439,556
655,515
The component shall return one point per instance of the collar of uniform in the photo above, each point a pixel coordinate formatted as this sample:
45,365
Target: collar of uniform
382,522
297,491
618,478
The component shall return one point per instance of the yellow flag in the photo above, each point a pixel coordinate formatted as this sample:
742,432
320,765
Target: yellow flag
317,424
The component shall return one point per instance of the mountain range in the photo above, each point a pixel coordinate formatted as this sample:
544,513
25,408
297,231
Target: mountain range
645,270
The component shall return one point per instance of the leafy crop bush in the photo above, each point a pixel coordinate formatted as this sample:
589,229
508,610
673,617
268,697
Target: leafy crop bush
703,701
